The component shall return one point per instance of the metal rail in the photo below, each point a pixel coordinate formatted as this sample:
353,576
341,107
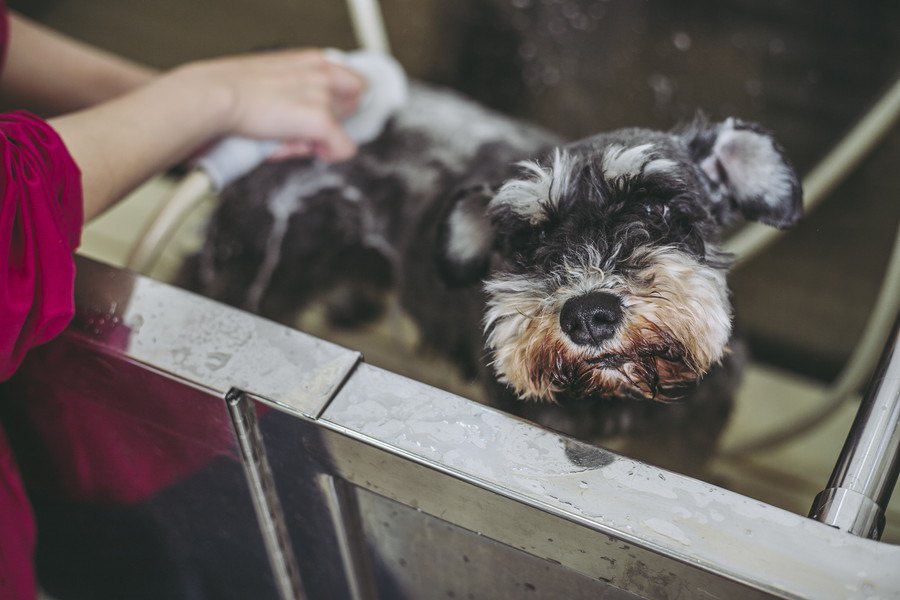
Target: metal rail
867,468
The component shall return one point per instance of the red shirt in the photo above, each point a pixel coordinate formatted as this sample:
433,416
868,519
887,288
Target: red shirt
41,215
40,227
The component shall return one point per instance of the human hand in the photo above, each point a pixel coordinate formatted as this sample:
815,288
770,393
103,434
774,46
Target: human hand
298,97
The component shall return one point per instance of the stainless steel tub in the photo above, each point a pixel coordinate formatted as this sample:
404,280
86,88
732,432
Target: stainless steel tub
296,470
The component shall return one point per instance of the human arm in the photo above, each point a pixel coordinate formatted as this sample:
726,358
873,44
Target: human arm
51,74
296,96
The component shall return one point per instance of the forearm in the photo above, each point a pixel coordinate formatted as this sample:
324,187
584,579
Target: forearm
290,96
121,143
52,74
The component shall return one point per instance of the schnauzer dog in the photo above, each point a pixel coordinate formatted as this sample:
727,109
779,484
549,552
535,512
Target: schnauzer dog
581,283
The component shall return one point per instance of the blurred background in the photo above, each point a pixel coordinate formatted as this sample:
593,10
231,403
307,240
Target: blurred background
806,69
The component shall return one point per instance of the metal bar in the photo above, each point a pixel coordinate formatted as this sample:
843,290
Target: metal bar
867,468
368,25
265,498
344,513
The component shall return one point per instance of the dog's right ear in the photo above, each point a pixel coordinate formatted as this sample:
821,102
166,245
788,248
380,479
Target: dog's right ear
748,171
465,237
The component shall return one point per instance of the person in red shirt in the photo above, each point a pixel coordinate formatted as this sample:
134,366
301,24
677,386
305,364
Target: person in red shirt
107,125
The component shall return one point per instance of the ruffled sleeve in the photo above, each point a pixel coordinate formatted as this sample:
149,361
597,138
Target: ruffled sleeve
40,228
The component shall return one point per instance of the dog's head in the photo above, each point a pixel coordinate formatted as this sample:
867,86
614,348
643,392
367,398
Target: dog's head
601,265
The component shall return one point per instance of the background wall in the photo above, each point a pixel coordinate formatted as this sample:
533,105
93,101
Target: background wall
806,69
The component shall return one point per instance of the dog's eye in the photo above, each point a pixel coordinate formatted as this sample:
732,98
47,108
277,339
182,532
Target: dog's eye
657,211
523,243
519,239
541,234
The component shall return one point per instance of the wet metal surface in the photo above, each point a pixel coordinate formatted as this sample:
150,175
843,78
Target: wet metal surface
396,484
866,472
201,340
682,518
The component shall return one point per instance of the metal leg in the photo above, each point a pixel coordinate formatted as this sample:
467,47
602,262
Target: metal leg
864,476
344,513
265,499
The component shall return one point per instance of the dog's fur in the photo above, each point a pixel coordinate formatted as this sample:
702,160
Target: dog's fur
583,286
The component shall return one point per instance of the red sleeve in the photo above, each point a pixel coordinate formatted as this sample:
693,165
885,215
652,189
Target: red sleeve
40,227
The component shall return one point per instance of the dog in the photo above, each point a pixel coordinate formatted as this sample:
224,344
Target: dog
582,284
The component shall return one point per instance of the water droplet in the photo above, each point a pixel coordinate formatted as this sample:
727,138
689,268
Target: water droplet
681,40
663,89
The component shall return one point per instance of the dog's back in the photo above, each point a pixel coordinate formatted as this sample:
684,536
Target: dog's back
296,230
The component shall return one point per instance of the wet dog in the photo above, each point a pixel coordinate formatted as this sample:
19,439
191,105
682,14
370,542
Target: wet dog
581,283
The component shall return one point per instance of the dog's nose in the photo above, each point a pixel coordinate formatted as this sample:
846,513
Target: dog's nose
592,318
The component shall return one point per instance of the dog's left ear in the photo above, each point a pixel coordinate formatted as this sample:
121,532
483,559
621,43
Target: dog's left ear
465,237
748,171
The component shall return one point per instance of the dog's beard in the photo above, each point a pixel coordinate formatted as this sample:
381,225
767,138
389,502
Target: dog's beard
646,363
676,327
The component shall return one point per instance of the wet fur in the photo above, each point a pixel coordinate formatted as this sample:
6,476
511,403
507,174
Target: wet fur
483,250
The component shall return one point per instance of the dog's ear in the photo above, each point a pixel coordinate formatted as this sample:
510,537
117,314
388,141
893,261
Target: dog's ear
748,171
465,237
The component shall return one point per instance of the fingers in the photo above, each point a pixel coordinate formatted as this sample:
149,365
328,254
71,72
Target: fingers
298,97
309,149
295,149
333,142
333,98
314,69
319,135
347,87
